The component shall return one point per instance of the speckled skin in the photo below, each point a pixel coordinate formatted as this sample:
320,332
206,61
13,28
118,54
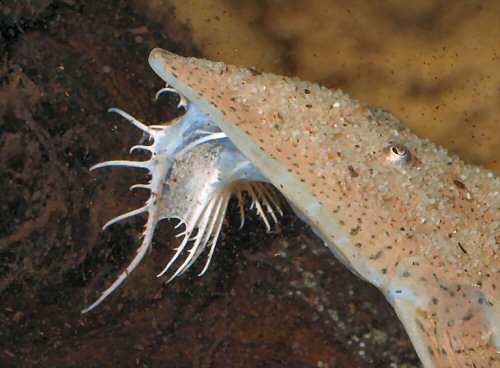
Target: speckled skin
426,233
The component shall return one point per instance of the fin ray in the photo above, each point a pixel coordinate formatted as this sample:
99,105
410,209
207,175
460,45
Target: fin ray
121,163
141,252
124,216
132,120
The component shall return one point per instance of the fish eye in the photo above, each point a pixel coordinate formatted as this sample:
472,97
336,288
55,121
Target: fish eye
398,154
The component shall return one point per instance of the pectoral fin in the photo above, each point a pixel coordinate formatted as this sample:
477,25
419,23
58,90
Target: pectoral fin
457,330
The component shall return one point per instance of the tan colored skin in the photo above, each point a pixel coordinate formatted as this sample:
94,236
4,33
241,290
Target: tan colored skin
425,233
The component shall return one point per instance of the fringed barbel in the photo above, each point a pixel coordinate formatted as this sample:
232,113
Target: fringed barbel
194,172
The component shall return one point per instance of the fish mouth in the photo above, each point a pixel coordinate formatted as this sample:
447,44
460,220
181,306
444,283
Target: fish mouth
194,171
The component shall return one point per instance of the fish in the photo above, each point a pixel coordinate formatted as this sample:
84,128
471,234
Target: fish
399,211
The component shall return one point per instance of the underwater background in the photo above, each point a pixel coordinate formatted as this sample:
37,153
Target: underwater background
268,300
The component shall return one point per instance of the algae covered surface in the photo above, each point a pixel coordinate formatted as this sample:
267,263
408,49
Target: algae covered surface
268,300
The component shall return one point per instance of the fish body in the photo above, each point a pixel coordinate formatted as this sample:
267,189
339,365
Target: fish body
399,211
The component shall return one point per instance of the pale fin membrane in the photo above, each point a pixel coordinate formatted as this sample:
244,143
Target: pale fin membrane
194,172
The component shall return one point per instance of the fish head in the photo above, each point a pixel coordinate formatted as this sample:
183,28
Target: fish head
399,211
